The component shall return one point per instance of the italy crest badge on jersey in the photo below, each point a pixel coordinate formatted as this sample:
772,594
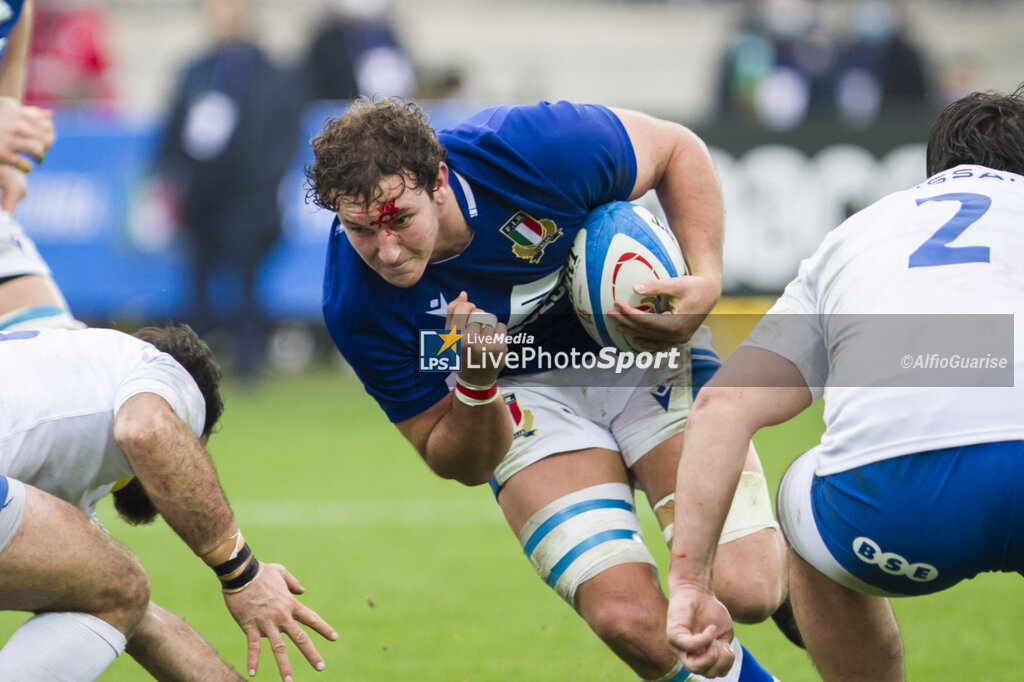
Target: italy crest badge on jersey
523,418
529,236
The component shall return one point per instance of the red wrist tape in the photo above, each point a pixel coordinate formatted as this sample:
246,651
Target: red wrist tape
475,395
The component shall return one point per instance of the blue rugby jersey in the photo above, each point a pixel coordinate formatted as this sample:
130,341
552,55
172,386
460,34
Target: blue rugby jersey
525,178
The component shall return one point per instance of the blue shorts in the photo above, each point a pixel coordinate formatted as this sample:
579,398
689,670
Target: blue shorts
910,525
704,362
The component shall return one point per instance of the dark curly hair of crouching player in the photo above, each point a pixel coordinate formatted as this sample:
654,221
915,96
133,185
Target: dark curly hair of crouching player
982,128
371,141
184,345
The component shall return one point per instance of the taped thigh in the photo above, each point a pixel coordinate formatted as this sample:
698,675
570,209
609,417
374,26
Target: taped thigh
12,508
582,534
751,510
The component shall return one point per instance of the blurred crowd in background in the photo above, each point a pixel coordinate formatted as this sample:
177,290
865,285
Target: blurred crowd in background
785,61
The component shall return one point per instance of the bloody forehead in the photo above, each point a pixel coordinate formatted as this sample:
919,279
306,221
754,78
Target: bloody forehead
386,213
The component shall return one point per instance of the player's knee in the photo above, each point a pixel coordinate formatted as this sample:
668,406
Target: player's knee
627,624
751,595
129,598
752,602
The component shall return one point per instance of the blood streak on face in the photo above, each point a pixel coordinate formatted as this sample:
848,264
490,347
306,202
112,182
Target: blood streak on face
386,214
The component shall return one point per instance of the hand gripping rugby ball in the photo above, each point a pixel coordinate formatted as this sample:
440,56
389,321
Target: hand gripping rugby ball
620,245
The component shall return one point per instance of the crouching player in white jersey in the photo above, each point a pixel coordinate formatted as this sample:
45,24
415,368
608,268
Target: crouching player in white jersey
29,297
877,508
435,228
80,411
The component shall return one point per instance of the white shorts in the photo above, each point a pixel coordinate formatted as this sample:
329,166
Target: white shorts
796,516
644,409
12,508
18,253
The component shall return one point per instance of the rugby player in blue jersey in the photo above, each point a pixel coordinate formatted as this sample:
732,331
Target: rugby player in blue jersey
468,230
916,484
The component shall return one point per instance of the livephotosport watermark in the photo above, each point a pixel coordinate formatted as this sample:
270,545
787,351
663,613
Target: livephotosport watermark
441,351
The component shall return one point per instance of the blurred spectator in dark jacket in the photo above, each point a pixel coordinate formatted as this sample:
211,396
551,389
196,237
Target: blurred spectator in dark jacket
232,131
69,62
779,69
880,68
356,50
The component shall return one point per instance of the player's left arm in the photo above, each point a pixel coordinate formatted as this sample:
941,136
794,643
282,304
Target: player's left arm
672,160
754,388
173,466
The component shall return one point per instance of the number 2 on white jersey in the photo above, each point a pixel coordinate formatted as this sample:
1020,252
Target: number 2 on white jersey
936,250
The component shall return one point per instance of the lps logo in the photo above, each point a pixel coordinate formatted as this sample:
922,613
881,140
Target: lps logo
869,552
439,351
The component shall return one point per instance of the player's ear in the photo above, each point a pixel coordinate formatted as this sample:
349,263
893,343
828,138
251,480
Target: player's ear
441,183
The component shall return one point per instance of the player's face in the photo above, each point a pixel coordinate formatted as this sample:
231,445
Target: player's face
398,235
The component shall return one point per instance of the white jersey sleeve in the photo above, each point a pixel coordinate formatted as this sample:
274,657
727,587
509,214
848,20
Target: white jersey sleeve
793,329
60,393
922,281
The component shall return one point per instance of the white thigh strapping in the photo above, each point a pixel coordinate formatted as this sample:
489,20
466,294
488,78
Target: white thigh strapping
796,515
574,538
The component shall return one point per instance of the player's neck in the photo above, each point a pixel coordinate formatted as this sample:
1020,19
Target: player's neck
455,232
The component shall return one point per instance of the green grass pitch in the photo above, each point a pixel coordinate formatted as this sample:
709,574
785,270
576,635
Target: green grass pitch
424,582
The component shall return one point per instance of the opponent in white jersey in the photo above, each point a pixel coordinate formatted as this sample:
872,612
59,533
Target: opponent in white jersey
28,295
79,411
907,321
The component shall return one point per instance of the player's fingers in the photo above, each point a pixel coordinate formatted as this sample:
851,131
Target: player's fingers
305,644
308,616
461,298
16,160
483,318
280,651
685,640
252,658
712,661
33,147
669,287
294,586
458,311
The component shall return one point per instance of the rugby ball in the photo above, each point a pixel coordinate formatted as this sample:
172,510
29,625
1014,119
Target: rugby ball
620,245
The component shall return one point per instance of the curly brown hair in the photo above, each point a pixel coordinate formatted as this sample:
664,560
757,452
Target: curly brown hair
983,128
192,353
372,140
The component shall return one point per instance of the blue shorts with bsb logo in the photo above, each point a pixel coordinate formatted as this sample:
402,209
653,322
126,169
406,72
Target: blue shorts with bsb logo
910,525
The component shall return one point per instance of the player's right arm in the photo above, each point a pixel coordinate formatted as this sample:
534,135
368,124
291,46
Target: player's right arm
172,465
755,387
458,437
23,129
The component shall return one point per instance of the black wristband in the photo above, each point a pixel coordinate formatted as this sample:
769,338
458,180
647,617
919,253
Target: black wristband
243,578
232,565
